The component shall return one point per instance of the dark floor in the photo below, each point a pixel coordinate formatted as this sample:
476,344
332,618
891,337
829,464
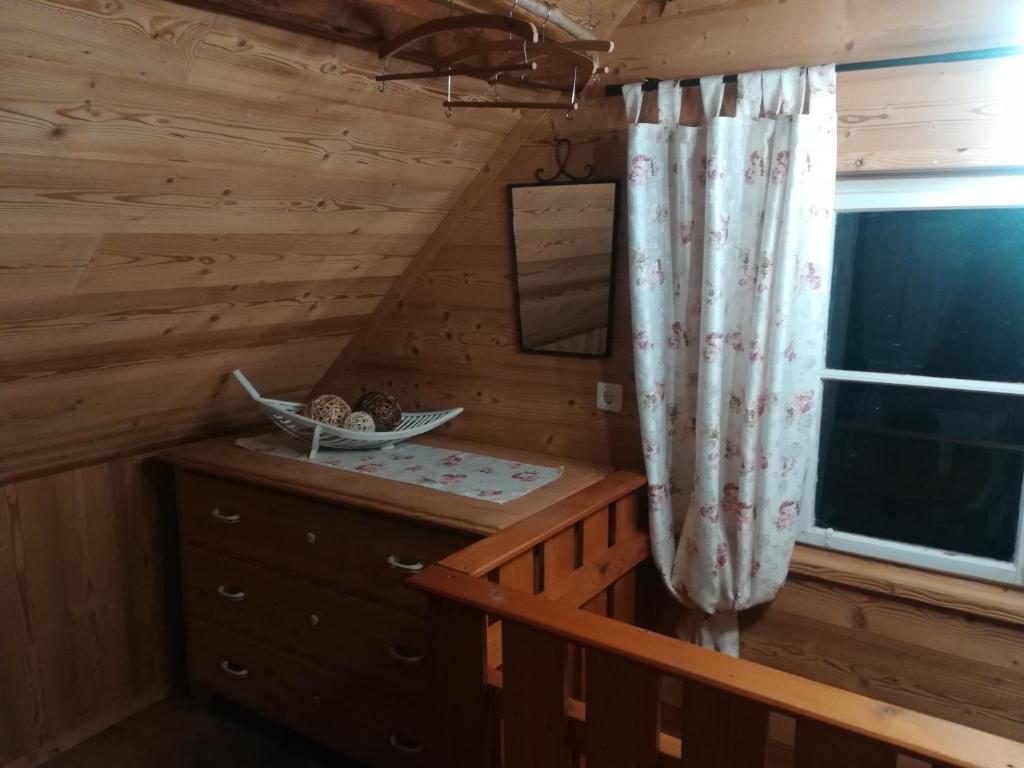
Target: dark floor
179,734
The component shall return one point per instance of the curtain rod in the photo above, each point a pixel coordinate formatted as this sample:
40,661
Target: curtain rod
651,83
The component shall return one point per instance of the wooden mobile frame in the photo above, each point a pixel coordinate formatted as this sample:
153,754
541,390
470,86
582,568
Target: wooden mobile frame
571,54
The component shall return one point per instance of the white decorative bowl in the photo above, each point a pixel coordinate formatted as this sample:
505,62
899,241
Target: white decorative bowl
288,417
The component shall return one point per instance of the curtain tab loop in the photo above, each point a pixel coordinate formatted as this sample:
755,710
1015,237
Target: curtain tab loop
771,92
670,103
633,96
712,92
821,89
748,94
791,98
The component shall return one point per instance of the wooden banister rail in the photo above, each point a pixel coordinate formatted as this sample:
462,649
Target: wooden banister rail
485,556
726,700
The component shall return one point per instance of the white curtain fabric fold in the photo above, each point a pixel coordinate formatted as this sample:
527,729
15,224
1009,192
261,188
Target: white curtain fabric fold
730,228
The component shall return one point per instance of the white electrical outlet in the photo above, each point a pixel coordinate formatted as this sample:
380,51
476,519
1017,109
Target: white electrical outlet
609,396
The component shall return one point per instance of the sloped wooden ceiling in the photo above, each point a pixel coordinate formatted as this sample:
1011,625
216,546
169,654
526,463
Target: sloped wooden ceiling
183,193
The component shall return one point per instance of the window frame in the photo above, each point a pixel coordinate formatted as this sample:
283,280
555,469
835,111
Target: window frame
901,193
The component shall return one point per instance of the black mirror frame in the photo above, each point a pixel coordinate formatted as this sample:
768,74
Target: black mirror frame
612,267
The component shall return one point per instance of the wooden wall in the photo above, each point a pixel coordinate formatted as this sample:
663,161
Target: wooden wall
183,193
83,619
940,661
180,194
453,339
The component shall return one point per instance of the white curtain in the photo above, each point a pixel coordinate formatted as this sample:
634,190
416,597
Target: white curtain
730,228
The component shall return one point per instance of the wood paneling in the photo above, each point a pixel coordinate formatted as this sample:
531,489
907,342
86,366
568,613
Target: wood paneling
452,338
932,116
183,193
83,626
930,659
703,37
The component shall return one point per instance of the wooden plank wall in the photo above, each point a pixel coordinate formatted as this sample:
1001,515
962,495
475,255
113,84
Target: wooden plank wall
453,339
83,620
183,193
962,668
180,194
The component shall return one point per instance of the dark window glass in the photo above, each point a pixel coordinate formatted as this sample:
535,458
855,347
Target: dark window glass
923,466
931,293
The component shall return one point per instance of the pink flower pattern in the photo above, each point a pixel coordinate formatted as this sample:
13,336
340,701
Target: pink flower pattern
755,167
686,230
641,169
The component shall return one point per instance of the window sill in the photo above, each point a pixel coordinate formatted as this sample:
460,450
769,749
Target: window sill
997,602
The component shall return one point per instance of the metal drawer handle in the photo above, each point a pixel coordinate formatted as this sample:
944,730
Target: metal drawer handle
235,597
403,654
405,744
403,564
233,669
226,519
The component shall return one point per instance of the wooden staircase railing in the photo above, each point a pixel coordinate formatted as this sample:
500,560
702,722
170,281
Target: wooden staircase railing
539,663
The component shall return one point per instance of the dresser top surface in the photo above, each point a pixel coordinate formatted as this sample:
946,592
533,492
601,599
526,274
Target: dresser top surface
223,458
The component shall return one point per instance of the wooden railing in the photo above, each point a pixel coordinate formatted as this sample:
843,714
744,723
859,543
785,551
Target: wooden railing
539,664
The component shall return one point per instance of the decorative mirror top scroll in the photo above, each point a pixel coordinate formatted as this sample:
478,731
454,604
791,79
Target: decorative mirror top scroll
564,246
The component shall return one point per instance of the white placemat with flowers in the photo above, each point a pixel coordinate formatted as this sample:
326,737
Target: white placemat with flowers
458,472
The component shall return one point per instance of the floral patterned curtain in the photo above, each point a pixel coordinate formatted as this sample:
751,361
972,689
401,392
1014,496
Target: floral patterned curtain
730,228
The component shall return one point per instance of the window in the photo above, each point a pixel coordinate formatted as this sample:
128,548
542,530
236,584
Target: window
921,458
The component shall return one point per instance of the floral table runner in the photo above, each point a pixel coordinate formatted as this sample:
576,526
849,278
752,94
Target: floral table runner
458,472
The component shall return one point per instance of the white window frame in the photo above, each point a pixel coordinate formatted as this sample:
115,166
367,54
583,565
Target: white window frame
954,191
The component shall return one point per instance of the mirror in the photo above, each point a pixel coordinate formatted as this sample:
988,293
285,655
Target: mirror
564,249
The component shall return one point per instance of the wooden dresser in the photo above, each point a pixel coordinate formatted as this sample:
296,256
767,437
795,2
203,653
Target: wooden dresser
293,576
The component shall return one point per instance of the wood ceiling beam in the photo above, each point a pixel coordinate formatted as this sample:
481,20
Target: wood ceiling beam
609,21
693,39
522,29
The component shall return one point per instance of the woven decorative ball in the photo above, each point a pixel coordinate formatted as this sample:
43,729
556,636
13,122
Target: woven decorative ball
330,409
383,408
360,421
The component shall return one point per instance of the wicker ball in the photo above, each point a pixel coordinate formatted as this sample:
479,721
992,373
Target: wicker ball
360,421
383,408
329,409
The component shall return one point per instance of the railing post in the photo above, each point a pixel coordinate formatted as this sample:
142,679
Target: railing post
463,725
722,730
819,744
535,698
623,704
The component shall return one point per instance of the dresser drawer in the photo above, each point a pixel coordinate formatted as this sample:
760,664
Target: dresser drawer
325,705
385,645
365,552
